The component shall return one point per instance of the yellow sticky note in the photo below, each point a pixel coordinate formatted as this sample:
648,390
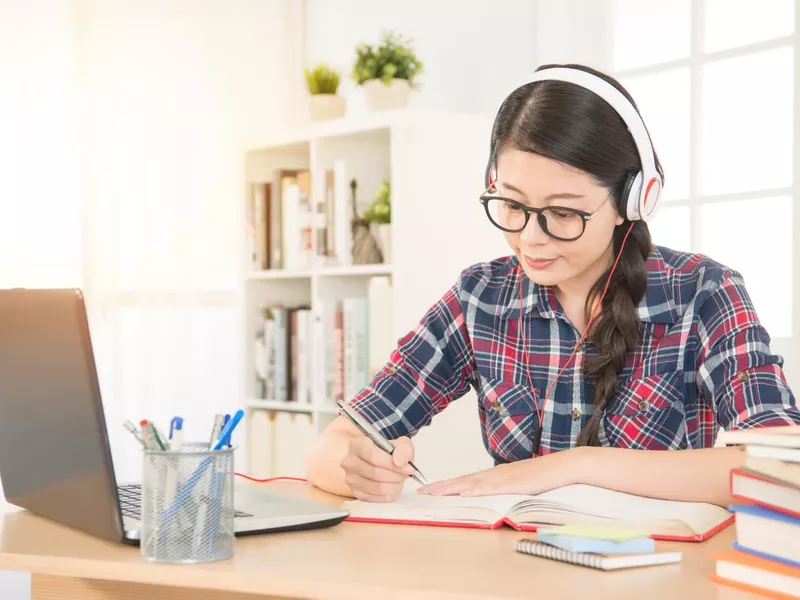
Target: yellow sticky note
598,532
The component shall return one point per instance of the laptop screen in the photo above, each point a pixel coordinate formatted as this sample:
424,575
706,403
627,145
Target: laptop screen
54,454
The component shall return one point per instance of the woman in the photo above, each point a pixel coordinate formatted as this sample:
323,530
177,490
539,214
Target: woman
611,344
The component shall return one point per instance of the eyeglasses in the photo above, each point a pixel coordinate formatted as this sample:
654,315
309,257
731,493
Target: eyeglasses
559,222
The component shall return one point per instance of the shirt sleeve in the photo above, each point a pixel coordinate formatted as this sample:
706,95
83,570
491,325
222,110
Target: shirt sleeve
430,367
737,371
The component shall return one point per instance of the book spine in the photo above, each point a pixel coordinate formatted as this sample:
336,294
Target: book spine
280,349
350,339
338,340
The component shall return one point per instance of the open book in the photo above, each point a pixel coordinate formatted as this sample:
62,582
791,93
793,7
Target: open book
662,519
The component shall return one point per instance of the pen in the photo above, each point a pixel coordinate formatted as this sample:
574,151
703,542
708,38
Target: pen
175,443
227,440
135,432
219,421
227,430
183,495
159,442
149,435
176,433
380,441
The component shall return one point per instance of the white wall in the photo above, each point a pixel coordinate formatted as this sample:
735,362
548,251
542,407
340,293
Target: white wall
573,31
471,51
173,92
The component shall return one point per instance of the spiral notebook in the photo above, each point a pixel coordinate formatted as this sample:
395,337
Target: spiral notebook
603,562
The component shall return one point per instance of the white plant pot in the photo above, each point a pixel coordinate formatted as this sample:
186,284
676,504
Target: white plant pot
384,231
322,107
382,97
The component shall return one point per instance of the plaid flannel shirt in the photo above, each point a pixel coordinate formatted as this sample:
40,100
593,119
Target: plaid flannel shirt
703,361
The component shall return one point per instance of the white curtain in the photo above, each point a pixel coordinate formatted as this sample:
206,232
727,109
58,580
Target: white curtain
173,92
122,130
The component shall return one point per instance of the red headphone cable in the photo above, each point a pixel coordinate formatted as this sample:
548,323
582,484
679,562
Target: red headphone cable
537,435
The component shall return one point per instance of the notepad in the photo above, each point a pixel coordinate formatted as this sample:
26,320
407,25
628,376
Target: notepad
573,504
596,561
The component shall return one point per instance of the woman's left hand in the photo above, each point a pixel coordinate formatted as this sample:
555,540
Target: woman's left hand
529,476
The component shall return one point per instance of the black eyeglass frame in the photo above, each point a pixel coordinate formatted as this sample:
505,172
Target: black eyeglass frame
540,216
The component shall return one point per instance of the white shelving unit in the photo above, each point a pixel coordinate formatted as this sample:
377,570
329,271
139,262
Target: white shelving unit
435,162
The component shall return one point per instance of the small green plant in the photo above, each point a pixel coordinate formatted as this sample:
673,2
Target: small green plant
393,58
380,211
322,79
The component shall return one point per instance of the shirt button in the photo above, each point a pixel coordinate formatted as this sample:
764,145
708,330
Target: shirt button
392,370
496,406
576,414
742,376
644,405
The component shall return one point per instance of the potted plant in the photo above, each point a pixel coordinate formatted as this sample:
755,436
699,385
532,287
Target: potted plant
387,72
324,103
379,215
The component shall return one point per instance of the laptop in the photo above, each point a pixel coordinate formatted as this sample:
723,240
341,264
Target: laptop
55,458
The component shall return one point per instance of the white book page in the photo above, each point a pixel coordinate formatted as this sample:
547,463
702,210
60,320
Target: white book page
601,502
421,507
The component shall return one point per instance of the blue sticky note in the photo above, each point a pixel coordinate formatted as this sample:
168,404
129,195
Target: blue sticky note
639,545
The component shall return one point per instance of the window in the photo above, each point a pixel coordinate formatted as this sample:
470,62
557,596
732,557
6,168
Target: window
715,82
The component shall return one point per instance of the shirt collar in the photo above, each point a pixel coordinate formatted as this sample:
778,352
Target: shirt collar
657,306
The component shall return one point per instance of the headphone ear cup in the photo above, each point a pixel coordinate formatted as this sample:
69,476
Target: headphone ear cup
632,196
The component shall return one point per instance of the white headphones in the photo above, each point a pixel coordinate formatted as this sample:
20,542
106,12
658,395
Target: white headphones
643,188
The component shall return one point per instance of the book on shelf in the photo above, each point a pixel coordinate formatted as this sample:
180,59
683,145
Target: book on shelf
573,504
326,354
258,234
293,226
282,354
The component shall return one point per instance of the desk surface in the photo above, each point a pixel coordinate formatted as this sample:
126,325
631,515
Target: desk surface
361,560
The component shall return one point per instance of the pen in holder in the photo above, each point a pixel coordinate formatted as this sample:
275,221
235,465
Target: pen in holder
187,504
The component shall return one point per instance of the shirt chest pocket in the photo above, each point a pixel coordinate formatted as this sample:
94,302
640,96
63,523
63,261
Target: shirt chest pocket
647,413
508,418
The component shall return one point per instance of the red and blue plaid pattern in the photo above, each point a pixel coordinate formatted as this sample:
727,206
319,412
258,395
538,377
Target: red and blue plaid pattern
703,361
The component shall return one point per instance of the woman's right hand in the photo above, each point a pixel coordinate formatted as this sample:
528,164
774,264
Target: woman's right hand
372,474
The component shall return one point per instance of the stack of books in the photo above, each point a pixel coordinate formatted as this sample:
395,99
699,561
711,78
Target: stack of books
766,554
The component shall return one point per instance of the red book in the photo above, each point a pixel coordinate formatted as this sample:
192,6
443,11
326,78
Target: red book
765,491
661,519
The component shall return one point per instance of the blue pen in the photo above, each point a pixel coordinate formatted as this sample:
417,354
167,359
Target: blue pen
227,430
183,495
225,422
176,433
176,423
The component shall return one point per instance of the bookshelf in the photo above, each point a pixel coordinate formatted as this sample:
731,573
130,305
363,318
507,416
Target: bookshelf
435,162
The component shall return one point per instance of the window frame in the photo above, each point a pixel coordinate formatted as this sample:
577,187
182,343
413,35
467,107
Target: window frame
696,61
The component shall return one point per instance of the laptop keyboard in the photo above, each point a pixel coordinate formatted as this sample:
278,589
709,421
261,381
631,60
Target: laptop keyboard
130,502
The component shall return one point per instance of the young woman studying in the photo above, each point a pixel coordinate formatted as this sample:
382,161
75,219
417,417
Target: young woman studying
589,348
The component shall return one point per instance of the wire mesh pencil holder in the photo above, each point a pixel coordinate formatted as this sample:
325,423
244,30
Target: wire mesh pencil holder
187,504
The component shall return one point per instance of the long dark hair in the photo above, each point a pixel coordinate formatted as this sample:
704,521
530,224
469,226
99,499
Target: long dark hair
574,126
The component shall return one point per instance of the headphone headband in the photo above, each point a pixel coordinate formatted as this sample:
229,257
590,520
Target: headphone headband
646,187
